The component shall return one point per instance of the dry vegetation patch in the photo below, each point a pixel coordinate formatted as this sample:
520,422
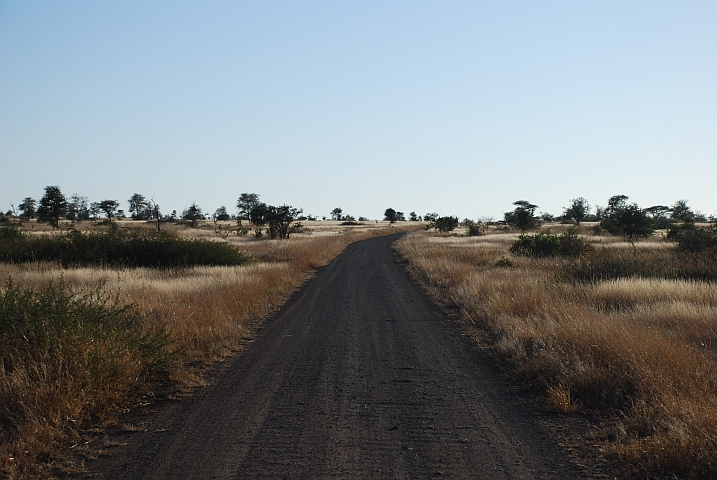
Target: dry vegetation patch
636,343
203,312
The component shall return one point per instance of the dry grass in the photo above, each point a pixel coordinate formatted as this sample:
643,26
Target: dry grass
207,311
642,351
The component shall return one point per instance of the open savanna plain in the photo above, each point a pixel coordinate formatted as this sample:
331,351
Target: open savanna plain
135,333
623,334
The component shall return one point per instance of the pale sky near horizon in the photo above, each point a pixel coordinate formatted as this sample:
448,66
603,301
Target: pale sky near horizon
449,106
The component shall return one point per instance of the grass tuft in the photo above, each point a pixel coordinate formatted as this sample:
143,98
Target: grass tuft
67,356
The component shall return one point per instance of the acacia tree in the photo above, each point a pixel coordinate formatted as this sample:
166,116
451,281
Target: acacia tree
53,206
28,208
523,217
109,207
139,207
246,203
193,214
77,208
628,220
257,215
279,220
94,210
391,215
445,224
337,214
577,211
607,215
680,211
658,213
221,214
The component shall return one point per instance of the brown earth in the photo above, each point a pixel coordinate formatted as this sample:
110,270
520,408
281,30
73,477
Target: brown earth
358,375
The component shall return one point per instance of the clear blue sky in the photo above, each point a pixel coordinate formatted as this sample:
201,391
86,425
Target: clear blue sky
448,106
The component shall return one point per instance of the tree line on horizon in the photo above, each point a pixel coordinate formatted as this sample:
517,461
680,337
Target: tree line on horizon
55,206
619,217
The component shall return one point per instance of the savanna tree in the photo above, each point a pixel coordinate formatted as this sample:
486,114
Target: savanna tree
28,208
77,208
221,214
523,217
246,203
680,211
139,207
257,215
109,207
628,220
445,224
391,215
577,211
280,219
337,214
193,214
53,206
659,213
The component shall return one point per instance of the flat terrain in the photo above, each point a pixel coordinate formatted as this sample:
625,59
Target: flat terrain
358,375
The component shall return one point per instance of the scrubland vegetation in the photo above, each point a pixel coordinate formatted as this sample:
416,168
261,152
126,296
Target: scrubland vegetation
115,247
624,331
83,336
606,317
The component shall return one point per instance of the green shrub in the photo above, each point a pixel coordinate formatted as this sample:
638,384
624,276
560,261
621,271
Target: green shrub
475,229
570,245
50,318
628,220
118,247
545,244
693,239
445,224
538,245
10,233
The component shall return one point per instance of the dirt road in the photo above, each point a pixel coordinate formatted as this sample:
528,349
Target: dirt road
357,376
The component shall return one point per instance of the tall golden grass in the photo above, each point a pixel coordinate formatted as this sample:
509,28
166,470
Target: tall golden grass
640,351
208,313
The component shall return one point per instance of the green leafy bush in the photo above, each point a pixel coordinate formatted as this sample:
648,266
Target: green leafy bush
545,244
10,233
569,244
475,229
628,220
538,245
445,224
693,239
119,247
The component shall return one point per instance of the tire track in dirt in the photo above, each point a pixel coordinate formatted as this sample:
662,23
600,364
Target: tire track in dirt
358,375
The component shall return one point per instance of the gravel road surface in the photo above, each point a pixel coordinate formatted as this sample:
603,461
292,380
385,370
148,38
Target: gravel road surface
357,376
